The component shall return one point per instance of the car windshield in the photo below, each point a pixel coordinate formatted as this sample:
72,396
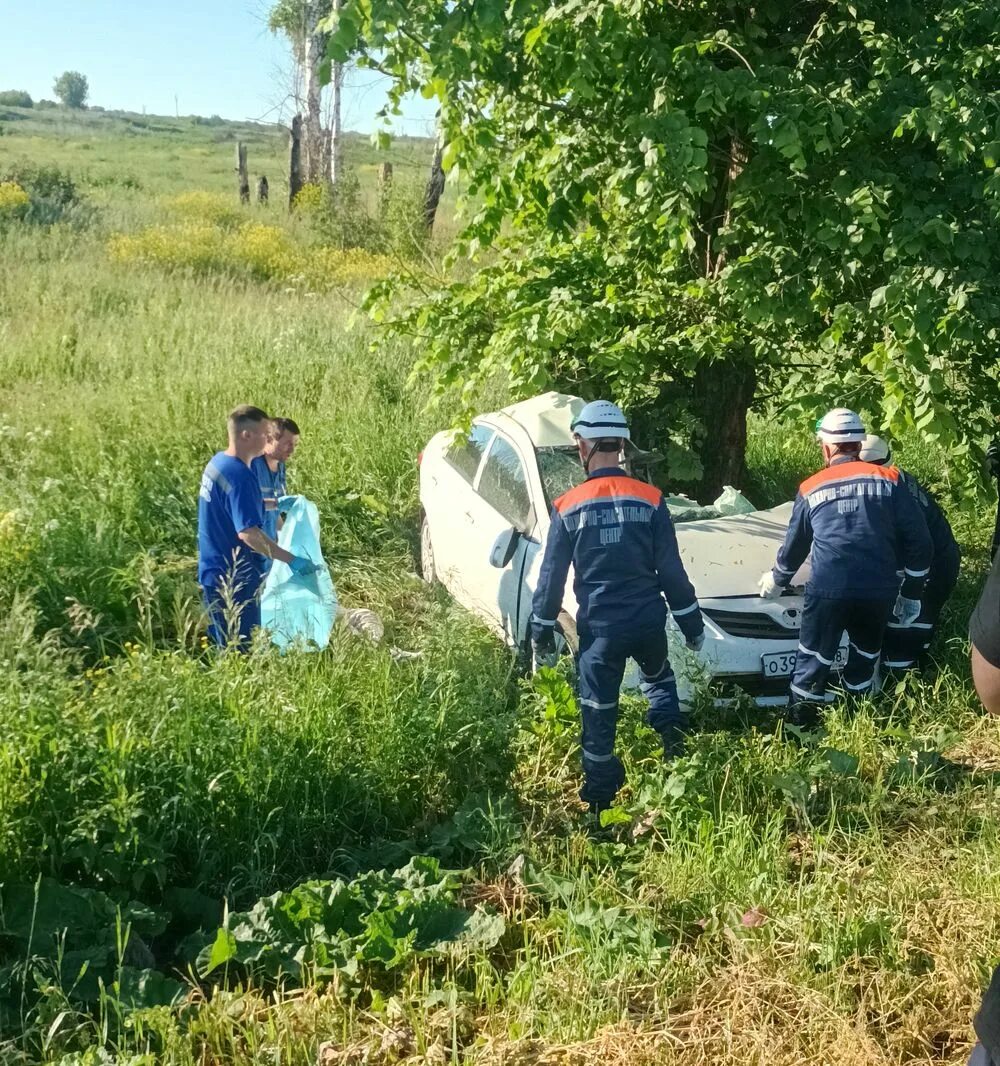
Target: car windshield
561,470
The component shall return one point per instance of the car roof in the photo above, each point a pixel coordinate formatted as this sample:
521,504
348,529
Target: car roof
546,418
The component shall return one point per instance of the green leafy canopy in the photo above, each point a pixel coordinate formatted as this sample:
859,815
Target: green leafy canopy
659,191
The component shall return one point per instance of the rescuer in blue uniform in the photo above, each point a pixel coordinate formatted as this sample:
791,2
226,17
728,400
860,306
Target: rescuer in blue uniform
232,545
269,469
863,527
618,536
905,646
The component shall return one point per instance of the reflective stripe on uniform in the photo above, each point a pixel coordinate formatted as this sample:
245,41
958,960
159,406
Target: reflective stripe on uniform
596,758
686,610
863,687
815,655
599,706
861,651
814,696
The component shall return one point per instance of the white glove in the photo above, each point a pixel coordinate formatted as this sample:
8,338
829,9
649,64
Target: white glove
906,611
696,643
769,588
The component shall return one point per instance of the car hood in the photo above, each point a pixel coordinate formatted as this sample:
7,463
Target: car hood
726,556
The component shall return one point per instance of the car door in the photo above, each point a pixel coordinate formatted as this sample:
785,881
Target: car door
448,503
503,499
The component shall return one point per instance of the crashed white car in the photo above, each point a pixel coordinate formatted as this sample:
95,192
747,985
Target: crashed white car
486,497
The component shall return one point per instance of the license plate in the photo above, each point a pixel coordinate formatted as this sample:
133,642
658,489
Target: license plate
782,663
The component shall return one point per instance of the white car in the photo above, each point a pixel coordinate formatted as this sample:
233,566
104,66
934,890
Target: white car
486,497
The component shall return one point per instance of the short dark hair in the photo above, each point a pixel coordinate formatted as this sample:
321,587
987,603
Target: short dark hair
612,445
243,417
848,447
285,425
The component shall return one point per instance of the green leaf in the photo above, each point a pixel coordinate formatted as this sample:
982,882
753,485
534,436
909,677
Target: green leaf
221,951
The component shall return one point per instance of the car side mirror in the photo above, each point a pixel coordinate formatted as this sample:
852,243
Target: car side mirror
504,547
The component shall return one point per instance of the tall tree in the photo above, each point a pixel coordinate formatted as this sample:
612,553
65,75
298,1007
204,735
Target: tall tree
301,22
693,205
72,88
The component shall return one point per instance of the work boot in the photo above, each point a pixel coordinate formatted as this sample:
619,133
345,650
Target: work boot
803,714
673,743
595,830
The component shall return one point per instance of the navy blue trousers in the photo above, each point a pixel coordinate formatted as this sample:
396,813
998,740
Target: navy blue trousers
905,647
601,667
823,624
232,615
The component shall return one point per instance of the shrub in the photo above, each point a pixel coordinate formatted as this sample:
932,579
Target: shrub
199,206
52,191
343,221
252,250
14,201
309,199
16,98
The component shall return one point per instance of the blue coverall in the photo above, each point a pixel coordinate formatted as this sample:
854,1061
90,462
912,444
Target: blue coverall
618,536
229,572
863,526
905,645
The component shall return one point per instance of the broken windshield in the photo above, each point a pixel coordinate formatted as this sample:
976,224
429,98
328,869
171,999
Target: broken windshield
561,470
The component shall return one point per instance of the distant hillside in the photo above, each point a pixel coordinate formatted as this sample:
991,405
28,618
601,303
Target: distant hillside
165,154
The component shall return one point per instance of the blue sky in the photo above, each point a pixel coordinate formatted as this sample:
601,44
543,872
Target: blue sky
216,56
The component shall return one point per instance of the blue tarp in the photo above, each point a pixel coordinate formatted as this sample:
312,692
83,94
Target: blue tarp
299,609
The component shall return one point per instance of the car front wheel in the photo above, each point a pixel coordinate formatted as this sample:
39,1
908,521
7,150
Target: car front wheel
427,570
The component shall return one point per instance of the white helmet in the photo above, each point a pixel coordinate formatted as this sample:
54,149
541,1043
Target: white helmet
875,450
840,426
600,420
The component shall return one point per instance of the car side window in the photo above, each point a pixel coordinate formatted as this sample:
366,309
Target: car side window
466,453
504,486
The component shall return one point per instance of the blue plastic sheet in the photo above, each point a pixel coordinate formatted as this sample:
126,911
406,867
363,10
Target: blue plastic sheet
299,609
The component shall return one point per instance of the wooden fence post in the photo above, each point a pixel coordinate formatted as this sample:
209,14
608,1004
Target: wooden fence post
241,170
384,187
295,161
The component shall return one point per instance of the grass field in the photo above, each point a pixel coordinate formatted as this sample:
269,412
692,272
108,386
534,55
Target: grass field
766,903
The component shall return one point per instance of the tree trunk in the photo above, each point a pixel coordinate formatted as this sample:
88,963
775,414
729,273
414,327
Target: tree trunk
242,172
315,49
722,394
336,86
295,161
435,184
327,167
384,188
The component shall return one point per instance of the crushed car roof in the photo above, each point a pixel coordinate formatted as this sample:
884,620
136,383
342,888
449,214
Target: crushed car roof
547,418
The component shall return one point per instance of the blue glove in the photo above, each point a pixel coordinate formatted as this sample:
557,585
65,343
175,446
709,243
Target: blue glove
302,567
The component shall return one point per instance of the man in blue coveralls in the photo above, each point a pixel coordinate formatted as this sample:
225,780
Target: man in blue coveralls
863,527
232,545
269,470
617,534
906,646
